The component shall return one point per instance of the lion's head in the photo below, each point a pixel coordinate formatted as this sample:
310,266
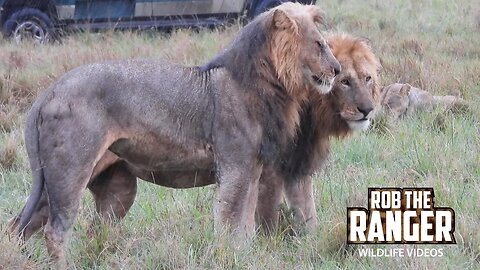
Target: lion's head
299,52
281,47
356,89
394,98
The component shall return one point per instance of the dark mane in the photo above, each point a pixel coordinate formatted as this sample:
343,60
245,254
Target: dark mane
247,61
319,123
320,119
293,141
245,58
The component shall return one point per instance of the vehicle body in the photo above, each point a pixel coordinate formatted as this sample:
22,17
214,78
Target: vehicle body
40,19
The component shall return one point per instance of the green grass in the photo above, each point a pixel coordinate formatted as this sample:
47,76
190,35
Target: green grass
431,44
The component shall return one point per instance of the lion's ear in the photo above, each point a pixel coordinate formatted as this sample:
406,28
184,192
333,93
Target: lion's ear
281,20
405,90
317,14
365,41
379,65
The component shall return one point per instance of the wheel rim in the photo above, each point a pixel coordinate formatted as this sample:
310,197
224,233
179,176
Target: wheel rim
30,30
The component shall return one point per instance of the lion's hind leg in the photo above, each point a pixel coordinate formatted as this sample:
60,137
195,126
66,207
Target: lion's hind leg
64,187
68,160
114,191
38,220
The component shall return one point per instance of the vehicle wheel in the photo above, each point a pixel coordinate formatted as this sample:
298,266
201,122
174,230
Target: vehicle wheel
29,24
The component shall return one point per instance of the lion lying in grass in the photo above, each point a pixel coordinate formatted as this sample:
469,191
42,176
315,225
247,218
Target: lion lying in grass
102,125
402,99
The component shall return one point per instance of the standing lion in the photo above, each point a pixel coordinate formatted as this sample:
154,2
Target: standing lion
349,107
102,125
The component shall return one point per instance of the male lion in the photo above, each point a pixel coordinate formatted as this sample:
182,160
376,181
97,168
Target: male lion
102,125
348,107
402,99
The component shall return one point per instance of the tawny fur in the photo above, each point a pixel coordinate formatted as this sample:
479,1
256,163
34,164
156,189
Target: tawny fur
102,125
401,99
324,117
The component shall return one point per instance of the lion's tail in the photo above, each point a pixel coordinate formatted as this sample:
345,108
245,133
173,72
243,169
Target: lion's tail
32,145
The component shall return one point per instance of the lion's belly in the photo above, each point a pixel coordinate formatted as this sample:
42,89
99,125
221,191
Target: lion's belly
154,154
176,179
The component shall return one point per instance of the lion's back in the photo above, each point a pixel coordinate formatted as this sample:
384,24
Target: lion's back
115,74
147,94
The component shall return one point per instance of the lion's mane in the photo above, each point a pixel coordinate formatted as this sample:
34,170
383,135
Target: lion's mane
265,60
320,118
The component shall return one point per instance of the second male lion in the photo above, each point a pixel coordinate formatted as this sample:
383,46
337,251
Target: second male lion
102,125
350,106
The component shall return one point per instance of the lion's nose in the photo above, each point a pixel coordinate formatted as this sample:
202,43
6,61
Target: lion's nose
365,111
337,69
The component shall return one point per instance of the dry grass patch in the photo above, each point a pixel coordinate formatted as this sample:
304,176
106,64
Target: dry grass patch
9,152
9,116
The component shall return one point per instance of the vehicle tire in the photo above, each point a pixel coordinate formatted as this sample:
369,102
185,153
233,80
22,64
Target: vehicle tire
29,23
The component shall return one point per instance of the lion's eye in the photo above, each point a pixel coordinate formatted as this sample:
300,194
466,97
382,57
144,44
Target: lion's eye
320,45
345,82
368,78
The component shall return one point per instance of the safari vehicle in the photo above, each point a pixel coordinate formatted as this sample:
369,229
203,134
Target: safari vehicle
40,20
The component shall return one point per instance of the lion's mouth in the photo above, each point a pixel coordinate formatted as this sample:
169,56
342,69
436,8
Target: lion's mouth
318,80
323,84
359,125
360,120
355,121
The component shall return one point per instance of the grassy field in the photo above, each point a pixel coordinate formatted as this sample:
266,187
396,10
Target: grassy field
433,44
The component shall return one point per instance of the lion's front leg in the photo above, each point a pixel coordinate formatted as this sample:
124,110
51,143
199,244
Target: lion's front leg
269,199
236,199
236,142
299,196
